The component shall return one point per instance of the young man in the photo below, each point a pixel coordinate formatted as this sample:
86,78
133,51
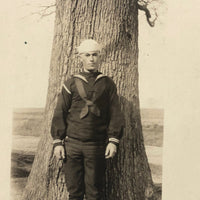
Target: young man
88,118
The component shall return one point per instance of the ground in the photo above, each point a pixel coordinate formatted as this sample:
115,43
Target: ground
28,126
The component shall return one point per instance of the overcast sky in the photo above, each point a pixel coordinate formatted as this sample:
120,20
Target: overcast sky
30,38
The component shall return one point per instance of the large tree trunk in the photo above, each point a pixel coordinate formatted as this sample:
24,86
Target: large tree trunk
114,23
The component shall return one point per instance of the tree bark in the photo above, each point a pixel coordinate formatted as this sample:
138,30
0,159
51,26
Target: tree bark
113,23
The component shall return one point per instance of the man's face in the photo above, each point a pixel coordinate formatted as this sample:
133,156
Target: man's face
90,60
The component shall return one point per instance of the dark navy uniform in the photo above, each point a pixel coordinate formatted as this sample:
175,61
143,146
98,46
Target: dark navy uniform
87,123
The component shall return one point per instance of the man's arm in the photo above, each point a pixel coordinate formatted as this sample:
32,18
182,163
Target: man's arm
116,121
59,125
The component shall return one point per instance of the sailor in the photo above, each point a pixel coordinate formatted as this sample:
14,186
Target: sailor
89,121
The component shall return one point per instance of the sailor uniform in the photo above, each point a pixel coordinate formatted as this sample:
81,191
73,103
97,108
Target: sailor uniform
67,121
88,114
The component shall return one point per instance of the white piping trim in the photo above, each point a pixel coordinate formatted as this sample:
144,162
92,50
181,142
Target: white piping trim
66,89
57,141
100,76
81,77
113,140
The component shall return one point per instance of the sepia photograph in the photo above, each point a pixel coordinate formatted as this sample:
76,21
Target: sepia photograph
79,129
89,109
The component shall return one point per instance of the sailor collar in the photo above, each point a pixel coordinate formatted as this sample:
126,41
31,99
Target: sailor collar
85,80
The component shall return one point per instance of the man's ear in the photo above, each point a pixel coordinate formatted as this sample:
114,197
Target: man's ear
76,50
101,56
79,56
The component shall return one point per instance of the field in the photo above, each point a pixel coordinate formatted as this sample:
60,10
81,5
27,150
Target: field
28,126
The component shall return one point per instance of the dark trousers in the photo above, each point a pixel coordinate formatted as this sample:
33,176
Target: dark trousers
85,169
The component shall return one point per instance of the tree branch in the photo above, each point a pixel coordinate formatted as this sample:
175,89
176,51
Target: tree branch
150,9
44,11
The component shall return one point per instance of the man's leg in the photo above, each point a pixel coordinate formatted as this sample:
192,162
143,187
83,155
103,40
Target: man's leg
95,164
74,172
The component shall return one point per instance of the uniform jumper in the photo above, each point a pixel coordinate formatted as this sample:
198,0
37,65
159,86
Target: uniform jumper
87,122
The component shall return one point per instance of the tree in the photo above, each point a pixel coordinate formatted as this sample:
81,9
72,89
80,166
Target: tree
115,24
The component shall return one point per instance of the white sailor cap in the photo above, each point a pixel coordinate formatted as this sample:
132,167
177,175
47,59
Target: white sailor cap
89,45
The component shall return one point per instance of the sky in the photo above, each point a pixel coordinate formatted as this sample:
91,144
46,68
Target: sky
31,36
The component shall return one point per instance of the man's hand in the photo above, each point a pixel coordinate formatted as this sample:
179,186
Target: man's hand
111,150
59,152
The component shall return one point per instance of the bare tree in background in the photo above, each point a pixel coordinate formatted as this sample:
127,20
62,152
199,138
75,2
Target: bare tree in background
113,23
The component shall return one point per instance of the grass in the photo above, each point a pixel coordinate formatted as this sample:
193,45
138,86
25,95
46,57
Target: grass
28,122
21,164
153,135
